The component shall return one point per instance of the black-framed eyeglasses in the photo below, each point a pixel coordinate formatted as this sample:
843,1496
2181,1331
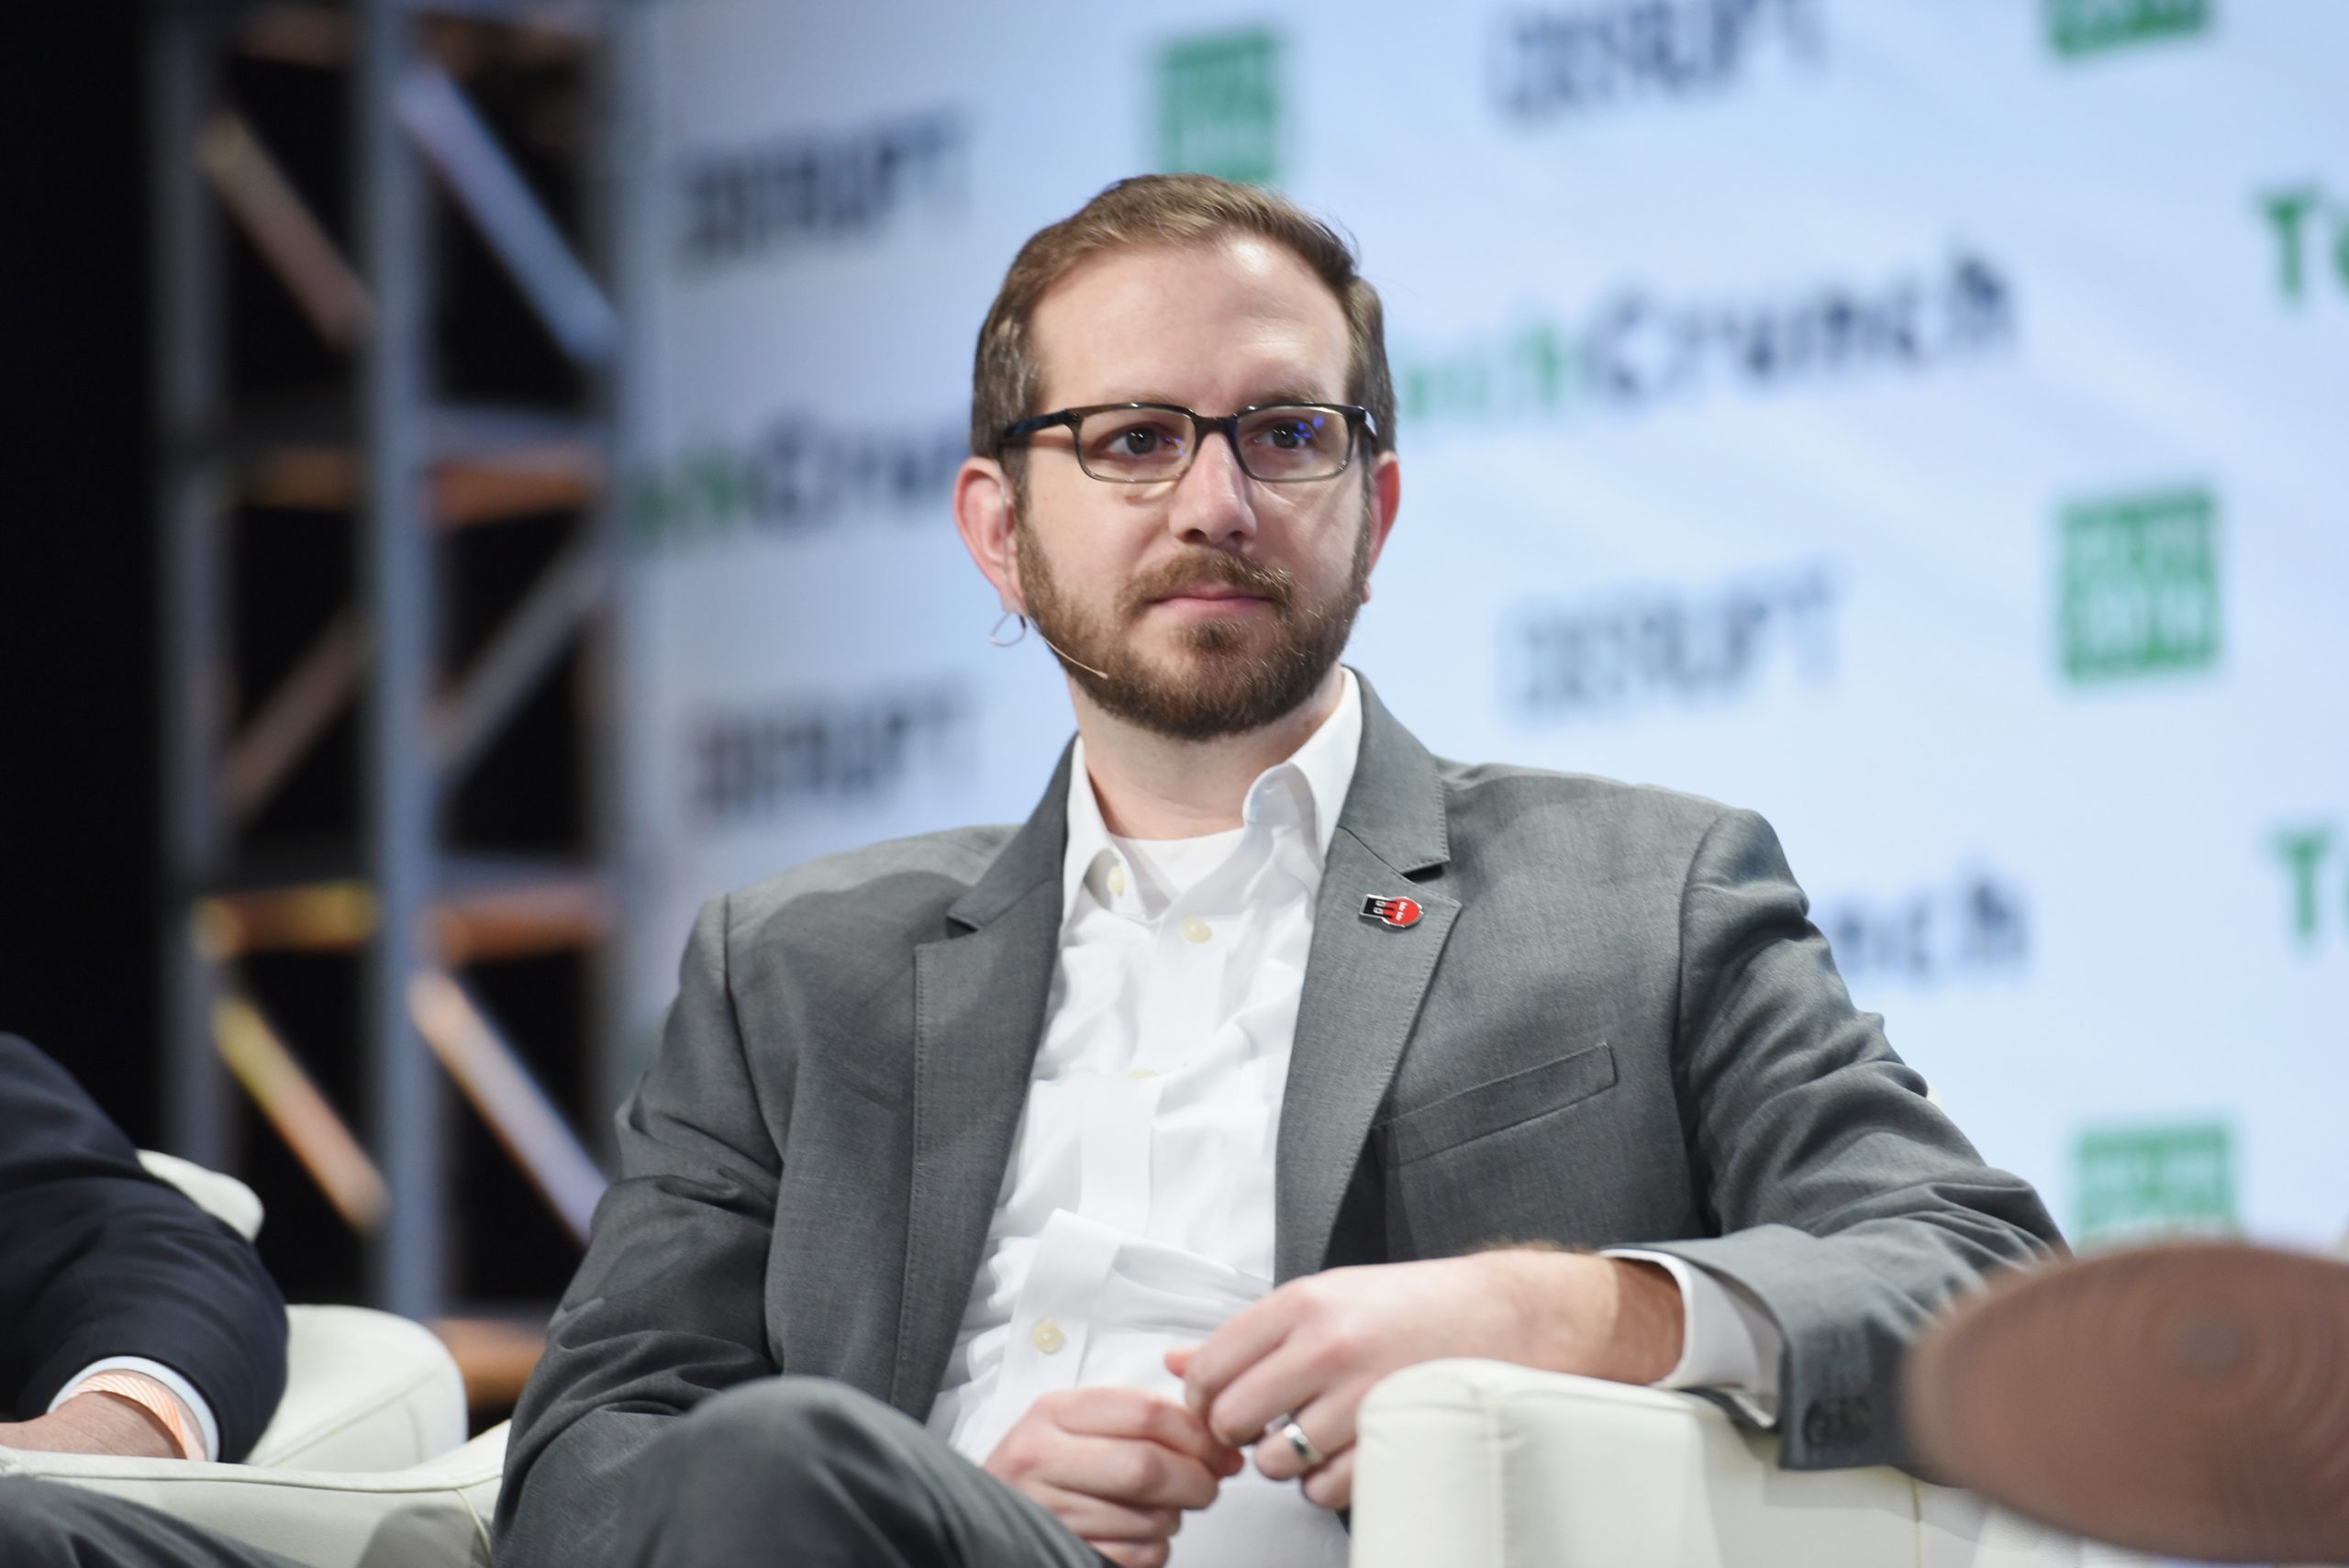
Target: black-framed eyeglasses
1153,443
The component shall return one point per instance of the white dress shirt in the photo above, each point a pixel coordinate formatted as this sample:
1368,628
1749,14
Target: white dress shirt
1135,1212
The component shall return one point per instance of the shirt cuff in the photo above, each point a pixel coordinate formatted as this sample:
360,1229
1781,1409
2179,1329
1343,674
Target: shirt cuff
192,1404
1729,1342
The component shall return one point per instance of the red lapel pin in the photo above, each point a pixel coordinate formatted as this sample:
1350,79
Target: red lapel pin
1396,912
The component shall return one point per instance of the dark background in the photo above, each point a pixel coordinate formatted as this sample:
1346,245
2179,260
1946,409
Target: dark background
79,752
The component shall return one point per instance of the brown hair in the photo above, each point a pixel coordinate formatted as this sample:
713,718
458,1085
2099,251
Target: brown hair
1169,209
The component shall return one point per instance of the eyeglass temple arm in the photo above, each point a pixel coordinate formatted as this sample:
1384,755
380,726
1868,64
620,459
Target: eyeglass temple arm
1039,422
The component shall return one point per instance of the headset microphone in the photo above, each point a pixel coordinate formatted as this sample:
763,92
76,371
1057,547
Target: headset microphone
1065,658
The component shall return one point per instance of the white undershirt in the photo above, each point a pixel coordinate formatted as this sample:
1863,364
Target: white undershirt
1135,1212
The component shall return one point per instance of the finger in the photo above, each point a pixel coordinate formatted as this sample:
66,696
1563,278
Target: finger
1132,1554
1328,1424
1103,1518
1250,1335
1283,1385
1332,1485
1178,1361
1132,1413
1128,1470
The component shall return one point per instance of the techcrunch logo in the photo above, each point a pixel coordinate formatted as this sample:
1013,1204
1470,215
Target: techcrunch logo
753,763
2137,589
2311,859
1974,929
740,203
2078,28
1639,350
2312,232
798,474
1219,105
2136,1183
1548,64
1647,649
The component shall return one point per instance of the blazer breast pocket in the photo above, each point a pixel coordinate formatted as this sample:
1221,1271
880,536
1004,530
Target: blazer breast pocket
1500,1104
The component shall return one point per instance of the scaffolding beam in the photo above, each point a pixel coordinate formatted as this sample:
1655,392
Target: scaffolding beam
182,89
406,464
405,1259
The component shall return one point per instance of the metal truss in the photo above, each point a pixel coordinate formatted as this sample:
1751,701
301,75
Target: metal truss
407,468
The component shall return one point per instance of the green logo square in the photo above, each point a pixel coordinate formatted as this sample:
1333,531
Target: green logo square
2140,586
2131,1182
1219,105
2075,27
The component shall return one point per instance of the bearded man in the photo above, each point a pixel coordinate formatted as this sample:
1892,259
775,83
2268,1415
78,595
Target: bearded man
1020,1196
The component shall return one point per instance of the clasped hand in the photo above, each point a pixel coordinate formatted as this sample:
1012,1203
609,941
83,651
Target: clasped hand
1117,1466
1120,1466
1311,1350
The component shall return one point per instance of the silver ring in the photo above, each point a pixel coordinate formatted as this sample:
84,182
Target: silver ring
1314,1458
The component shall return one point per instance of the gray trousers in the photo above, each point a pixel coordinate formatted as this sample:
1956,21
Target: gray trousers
784,1472
47,1524
808,1472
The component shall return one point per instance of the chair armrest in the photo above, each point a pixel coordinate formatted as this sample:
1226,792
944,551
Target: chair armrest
365,1391
1482,1464
223,1198
430,1516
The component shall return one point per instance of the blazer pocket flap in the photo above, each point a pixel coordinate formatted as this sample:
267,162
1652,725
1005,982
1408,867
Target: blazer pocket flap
1503,1102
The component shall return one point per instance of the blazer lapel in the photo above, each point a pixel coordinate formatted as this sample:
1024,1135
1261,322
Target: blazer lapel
979,997
1363,980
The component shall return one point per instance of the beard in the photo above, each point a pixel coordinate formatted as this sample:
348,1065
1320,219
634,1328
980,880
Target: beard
1224,682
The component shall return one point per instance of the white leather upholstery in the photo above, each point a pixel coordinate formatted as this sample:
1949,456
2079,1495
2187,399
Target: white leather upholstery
365,1391
225,1198
431,1516
1480,1465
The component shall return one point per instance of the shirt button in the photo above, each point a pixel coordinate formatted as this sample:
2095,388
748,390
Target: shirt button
1046,1336
1197,930
1116,879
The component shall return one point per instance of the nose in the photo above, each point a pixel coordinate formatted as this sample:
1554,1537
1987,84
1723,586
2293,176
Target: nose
1215,503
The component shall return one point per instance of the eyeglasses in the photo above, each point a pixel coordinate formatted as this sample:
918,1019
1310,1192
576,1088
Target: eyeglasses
1152,443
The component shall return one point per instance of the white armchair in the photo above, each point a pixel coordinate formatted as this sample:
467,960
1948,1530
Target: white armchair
363,1465
428,1516
1480,1465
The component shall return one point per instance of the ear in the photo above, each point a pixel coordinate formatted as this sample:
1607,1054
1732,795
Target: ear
983,516
1385,501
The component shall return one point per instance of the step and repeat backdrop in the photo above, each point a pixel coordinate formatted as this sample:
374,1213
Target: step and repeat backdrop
1926,424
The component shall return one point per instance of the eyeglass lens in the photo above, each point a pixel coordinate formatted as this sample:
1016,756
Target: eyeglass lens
1137,446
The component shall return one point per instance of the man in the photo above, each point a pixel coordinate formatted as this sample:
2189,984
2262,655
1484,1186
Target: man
131,1322
1056,1168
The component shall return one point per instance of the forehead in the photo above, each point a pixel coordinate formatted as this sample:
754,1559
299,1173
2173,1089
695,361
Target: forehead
1215,325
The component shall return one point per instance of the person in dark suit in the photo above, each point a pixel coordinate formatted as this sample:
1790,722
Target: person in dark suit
131,1322
992,1190
104,1269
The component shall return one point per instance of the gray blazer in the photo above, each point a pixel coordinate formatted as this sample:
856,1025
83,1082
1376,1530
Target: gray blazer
1613,1025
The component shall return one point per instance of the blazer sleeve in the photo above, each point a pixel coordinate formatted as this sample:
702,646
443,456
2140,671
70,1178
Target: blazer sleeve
668,1305
1848,1204
99,1258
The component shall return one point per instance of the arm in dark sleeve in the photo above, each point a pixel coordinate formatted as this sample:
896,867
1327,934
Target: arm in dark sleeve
1851,1207
99,1258
668,1306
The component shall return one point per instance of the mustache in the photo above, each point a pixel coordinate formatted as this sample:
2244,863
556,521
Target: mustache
1206,567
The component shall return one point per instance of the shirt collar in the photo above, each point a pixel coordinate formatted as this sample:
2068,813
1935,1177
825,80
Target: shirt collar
1308,788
